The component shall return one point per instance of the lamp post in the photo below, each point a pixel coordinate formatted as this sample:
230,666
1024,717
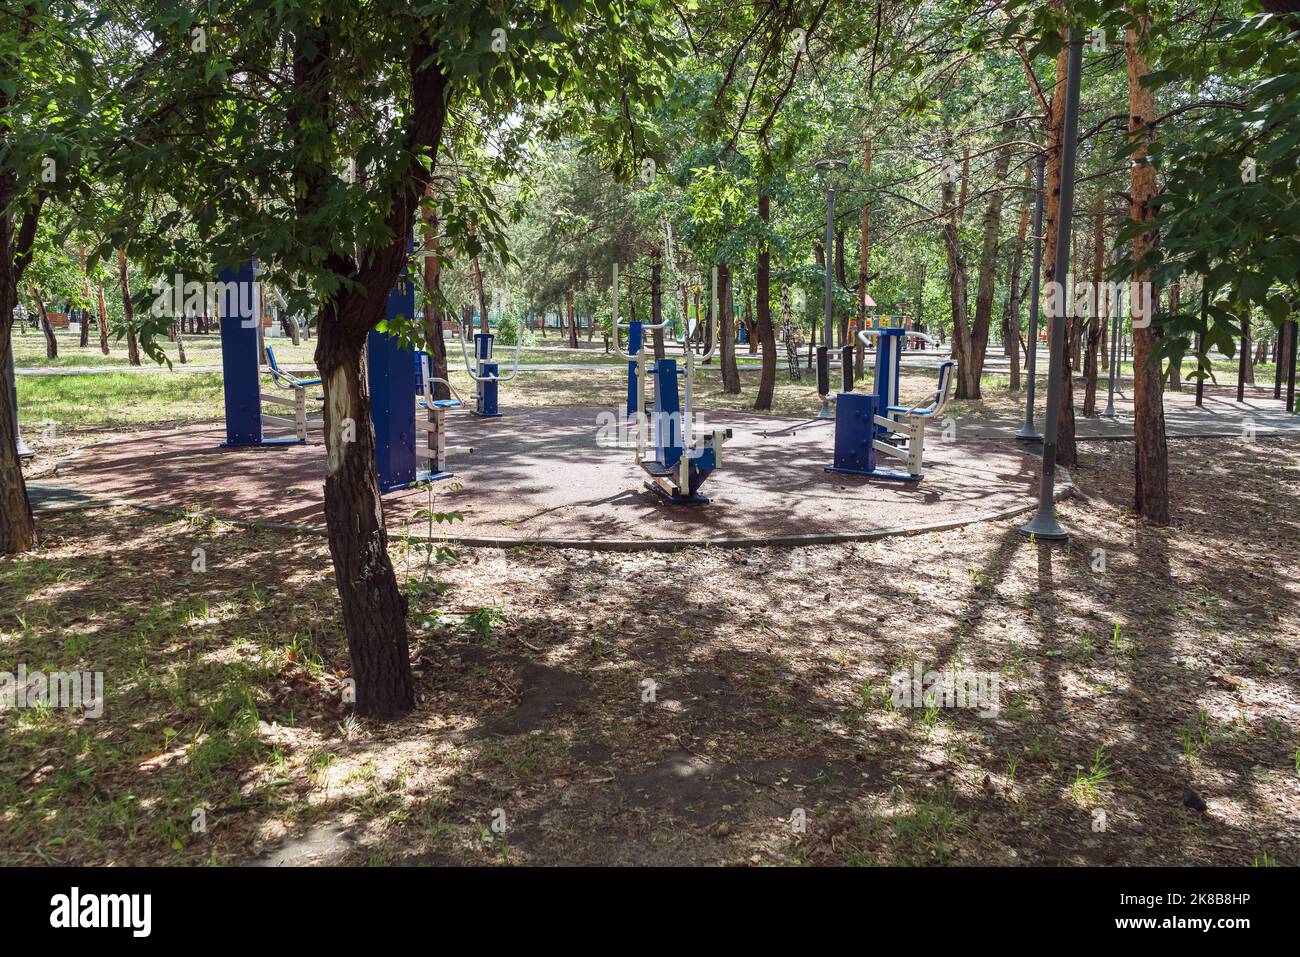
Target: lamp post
1044,524
825,168
1027,432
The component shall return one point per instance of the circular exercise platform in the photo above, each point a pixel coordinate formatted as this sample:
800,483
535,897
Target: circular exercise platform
543,474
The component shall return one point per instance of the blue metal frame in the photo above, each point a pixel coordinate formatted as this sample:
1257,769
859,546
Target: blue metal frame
889,356
486,405
240,372
634,336
855,428
391,374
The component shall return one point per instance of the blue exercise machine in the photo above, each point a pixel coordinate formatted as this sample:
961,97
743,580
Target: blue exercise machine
872,423
486,373
434,449
391,375
679,462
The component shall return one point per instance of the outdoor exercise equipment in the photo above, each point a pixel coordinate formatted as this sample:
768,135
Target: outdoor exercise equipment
241,313
486,373
872,423
300,420
434,449
391,375
680,461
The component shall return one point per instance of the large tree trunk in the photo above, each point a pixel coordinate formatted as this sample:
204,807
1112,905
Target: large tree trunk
1011,340
961,333
727,332
434,343
973,368
128,310
763,316
1151,454
43,315
374,610
17,526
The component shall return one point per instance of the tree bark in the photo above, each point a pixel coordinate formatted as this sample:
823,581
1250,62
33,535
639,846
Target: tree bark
1096,313
17,234
788,335
84,314
1011,342
43,315
374,610
103,318
973,366
727,332
961,333
128,310
763,315
1151,454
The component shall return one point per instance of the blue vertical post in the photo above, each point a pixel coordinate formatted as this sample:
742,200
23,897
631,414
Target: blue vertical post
487,391
668,413
634,336
391,374
239,365
888,361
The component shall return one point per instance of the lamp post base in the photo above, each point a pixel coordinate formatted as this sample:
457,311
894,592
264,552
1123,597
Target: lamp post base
1026,434
1044,526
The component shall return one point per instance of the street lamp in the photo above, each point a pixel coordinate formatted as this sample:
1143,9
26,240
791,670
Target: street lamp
825,169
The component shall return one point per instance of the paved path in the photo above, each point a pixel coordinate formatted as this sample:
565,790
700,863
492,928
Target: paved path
559,473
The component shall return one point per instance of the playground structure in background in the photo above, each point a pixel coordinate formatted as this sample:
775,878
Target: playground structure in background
680,461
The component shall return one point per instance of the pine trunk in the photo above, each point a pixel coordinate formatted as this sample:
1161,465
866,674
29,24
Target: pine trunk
1151,454
727,333
977,345
128,310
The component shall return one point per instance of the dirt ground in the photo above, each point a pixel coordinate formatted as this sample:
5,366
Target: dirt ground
704,707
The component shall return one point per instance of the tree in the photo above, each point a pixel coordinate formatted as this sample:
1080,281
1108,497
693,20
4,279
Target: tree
369,85
1150,455
48,73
